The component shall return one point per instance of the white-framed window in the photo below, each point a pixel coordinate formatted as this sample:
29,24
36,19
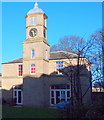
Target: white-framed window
17,95
46,54
32,53
33,20
20,70
59,93
45,22
59,66
32,69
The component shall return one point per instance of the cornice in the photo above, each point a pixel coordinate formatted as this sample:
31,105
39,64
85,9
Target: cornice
32,26
46,60
34,40
16,77
35,59
34,14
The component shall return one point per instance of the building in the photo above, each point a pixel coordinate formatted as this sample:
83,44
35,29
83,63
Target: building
98,86
36,79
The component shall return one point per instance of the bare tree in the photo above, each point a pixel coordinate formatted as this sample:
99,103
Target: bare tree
84,50
92,49
98,37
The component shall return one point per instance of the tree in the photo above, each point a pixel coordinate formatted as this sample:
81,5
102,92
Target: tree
98,37
82,49
92,49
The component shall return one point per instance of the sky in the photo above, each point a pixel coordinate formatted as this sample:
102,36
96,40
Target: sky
64,19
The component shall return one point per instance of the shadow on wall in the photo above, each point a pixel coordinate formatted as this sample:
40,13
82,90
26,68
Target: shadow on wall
98,96
36,90
9,96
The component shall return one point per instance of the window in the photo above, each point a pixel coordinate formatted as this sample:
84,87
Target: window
33,69
59,66
45,23
17,95
20,70
32,53
46,54
44,32
33,21
59,93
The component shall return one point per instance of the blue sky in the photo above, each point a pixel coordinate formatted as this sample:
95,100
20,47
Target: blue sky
64,18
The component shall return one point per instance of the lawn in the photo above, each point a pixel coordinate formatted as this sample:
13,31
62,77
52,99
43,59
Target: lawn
27,112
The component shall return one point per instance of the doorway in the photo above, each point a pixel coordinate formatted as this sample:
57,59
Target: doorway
17,95
59,93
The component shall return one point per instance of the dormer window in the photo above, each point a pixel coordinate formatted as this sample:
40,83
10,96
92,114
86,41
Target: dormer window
32,53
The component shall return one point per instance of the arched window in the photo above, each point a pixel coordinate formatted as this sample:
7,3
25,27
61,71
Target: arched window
33,69
32,53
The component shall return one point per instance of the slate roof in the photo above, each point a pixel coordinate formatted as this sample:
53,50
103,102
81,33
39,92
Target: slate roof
53,56
19,60
61,55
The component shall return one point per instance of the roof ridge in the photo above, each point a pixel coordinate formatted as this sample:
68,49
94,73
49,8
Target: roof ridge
58,51
64,52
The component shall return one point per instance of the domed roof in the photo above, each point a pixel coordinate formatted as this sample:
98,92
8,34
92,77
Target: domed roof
35,9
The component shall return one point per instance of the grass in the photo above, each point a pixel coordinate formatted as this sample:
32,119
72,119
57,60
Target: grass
27,112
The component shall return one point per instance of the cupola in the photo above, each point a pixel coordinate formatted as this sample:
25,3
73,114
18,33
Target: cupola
36,9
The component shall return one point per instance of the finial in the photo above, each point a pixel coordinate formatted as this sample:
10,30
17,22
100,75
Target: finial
36,5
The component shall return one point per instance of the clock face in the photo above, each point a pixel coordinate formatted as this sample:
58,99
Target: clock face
33,32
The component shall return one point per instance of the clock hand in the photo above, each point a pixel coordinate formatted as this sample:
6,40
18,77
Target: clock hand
33,32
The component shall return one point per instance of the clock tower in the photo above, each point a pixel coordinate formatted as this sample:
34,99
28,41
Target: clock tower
35,48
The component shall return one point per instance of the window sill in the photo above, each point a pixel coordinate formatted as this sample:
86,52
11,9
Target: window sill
19,76
59,74
32,73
